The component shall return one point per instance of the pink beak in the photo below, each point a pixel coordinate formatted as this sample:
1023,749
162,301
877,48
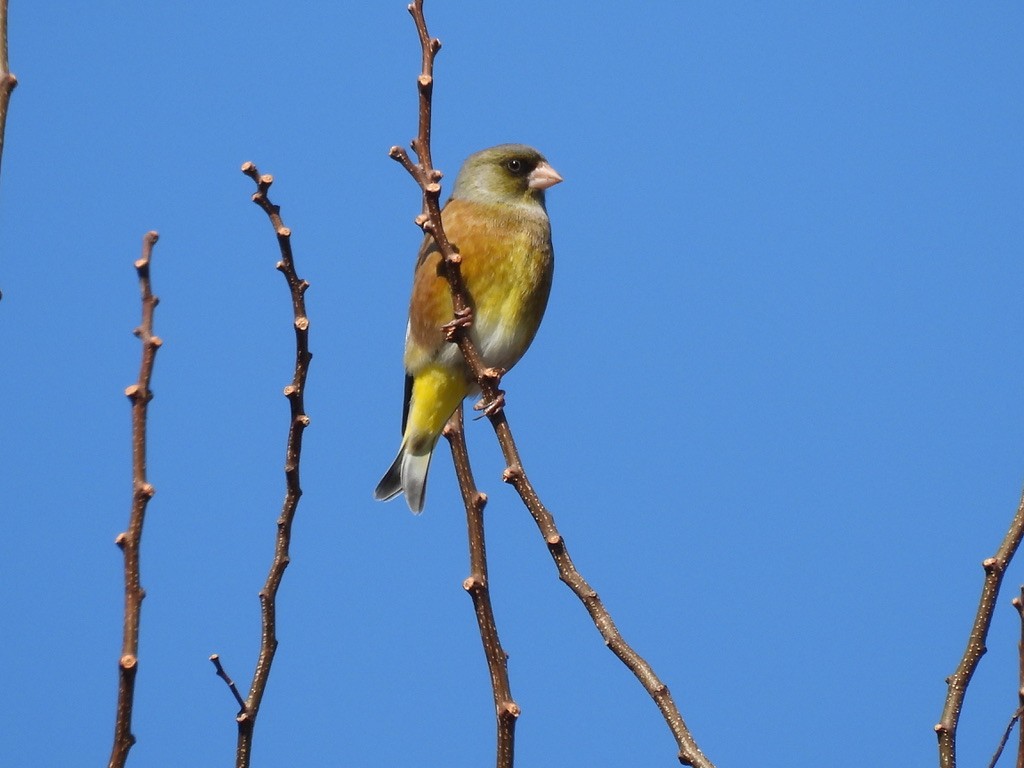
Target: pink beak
543,176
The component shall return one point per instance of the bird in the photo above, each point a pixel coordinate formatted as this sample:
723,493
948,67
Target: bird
497,221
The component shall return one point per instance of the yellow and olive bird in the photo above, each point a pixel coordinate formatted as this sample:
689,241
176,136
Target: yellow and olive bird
497,221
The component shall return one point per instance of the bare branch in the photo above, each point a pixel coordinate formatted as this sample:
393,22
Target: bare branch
506,710
1006,738
223,675
1018,603
488,379
957,683
298,422
8,81
428,179
689,752
129,541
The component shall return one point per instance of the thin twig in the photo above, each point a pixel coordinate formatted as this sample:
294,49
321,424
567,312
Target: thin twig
298,422
140,394
430,220
957,683
8,82
689,752
1018,603
1006,738
506,710
223,675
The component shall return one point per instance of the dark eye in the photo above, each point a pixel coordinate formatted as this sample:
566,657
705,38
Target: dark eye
515,165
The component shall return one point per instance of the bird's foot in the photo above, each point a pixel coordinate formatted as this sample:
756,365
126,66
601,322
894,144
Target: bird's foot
492,406
463,319
492,376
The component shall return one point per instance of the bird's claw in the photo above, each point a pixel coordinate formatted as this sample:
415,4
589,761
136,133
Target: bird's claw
492,406
463,319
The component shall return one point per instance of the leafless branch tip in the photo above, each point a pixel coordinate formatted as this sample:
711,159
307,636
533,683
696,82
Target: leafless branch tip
8,82
129,541
958,682
298,421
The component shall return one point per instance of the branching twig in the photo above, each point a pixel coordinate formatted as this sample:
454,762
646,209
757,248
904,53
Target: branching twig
689,752
1006,738
994,567
8,81
506,709
298,423
1018,603
430,220
223,675
429,179
129,541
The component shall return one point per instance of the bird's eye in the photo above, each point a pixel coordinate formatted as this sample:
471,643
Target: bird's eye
515,165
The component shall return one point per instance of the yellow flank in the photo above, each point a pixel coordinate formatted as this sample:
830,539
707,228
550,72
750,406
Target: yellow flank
520,290
436,392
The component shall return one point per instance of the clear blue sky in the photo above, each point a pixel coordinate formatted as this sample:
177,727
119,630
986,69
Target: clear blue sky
775,404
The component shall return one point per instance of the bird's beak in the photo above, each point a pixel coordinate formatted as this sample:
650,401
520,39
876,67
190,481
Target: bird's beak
543,176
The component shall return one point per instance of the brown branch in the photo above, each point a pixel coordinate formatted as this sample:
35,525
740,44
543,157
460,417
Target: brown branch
1006,738
488,379
689,752
1018,603
223,675
298,422
506,710
429,179
129,541
957,683
8,81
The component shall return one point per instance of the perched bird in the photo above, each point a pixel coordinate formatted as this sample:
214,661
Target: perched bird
497,221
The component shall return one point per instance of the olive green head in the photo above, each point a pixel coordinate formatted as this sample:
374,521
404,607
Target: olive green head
508,173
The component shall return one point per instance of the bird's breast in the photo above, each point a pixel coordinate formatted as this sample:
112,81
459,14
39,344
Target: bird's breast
507,265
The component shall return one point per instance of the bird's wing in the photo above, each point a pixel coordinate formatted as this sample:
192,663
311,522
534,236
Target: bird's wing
407,401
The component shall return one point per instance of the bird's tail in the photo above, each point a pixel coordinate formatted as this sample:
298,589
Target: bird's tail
408,474
432,396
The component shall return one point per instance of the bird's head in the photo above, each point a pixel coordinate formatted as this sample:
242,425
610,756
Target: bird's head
507,174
